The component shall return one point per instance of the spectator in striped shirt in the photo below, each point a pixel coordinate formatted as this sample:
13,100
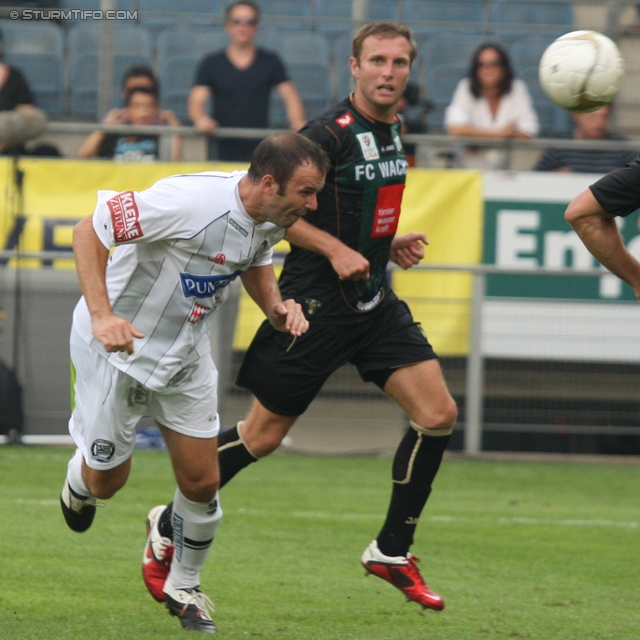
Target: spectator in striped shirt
589,126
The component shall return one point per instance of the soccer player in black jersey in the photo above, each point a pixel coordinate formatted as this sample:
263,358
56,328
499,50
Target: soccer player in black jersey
593,216
337,271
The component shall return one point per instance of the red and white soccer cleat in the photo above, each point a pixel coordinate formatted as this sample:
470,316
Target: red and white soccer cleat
403,574
158,553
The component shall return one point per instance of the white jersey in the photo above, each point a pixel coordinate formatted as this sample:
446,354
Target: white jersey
177,247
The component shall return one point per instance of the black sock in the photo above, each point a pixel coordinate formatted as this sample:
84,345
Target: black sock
164,524
415,465
233,455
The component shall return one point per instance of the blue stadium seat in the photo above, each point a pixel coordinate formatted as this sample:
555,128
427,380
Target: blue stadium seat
304,47
132,46
532,13
443,10
441,83
287,14
176,81
451,47
185,40
179,51
525,49
37,50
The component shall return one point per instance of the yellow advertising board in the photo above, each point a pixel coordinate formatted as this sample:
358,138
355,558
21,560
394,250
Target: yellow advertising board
446,205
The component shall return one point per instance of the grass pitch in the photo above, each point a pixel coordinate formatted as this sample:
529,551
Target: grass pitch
518,550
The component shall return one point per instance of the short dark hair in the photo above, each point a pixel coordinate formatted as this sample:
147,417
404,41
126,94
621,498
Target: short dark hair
281,154
140,71
248,3
383,30
505,63
144,90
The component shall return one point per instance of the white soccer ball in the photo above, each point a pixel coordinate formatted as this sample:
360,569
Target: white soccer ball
581,71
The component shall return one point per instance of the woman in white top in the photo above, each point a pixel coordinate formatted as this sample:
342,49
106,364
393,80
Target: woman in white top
491,102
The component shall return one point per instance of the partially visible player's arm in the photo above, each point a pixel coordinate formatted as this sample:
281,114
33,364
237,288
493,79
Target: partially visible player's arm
292,104
407,250
347,263
115,333
284,315
600,234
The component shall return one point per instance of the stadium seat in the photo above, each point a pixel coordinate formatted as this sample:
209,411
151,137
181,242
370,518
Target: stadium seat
179,51
176,80
441,83
37,50
525,49
304,47
160,14
132,46
452,47
532,13
443,11
185,40
287,14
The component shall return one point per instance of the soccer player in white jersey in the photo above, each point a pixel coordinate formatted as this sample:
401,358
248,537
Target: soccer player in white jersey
140,335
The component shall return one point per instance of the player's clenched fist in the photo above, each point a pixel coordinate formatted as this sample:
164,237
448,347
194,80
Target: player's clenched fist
115,333
288,316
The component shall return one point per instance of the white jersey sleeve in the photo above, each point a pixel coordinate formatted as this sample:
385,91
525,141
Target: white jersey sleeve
158,213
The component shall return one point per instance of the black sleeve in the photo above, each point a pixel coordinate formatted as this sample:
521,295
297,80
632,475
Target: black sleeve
325,137
206,72
278,73
619,191
16,91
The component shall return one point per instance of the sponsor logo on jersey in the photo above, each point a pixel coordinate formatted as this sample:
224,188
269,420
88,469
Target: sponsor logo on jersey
345,120
387,211
367,306
218,259
237,227
368,146
102,450
205,286
198,312
312,305
184,375
125,217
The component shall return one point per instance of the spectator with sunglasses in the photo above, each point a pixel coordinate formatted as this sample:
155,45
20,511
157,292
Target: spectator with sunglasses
490,102
240,79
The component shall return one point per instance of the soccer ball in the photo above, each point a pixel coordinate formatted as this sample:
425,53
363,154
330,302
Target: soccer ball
581,71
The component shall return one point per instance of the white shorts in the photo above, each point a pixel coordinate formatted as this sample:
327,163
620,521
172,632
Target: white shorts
108,404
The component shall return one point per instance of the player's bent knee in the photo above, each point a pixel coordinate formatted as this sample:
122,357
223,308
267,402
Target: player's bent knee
438,421
203,490
103,485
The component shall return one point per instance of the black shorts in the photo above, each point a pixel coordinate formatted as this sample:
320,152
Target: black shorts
286,382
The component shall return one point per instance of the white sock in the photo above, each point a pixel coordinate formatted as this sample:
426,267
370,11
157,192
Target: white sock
194,527
74,475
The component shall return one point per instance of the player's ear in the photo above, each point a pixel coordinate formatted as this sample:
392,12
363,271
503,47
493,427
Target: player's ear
269,185
355,67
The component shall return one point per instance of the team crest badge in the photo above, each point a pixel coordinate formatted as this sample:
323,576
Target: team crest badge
312,306
368,146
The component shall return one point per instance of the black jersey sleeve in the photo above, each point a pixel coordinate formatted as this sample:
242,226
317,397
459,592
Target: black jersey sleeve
322,134
619,192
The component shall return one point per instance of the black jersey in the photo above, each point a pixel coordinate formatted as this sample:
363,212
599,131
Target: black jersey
619,192
360,205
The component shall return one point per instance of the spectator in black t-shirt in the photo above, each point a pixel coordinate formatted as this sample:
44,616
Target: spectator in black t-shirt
589,126
240,78
141,109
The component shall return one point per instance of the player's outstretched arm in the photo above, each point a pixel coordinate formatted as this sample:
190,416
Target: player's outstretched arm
347,263
115,333
600,234
284,315
408,249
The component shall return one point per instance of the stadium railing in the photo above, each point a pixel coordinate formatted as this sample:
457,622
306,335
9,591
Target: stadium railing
428,145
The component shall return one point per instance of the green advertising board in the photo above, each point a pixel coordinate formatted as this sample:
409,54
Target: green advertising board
524,228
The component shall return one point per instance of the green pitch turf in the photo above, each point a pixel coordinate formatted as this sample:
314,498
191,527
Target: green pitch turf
518,550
